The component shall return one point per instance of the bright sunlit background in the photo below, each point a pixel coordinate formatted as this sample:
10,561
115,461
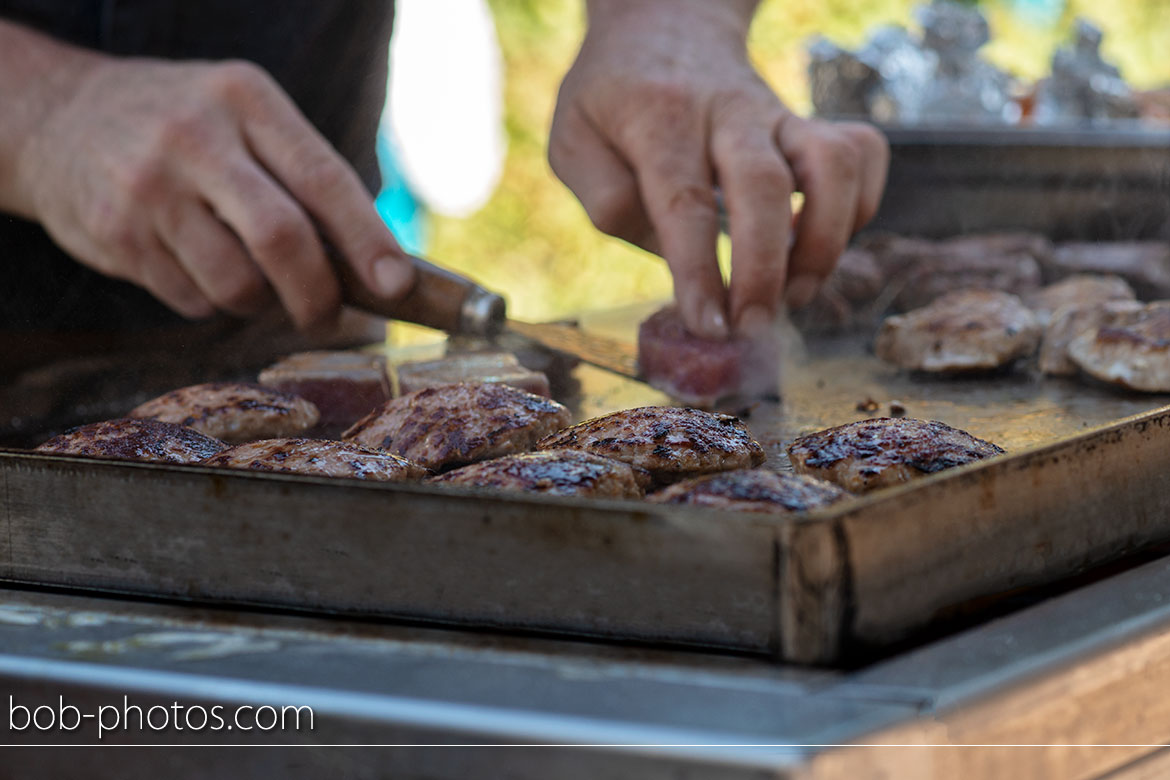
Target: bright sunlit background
516,229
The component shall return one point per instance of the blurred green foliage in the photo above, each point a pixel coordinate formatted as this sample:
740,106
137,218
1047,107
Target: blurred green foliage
533,240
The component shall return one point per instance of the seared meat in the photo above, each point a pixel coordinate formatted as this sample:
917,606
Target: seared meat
1130,348
950,270
885,451
700,371
318,457
1144,264
453,425
969,330
847,297
555,472
232,411
1079,290
1067,323
502,367
670,443
753,490
343,385
147,440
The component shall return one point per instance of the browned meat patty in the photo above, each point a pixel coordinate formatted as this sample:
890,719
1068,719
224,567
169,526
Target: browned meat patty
232,411
752,490
700,371
848,296
1079,290
453,425
1067,323
148,440
933,277
318,457
343,385
671,443
502,367
555,472
870,454
969,330
1130,348
1144,264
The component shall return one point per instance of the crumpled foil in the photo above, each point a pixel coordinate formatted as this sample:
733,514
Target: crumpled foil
1083,87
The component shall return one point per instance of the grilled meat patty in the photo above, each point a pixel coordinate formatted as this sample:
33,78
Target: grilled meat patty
555,472
1066,324
870,454
1078,290
452,425
494,366
752,490
669,442
148,440
235,412
318,457
968,330
1131,348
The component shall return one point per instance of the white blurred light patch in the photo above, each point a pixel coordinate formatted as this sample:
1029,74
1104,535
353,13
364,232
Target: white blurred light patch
445,102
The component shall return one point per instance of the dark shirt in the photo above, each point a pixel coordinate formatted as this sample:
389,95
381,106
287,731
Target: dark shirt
329,55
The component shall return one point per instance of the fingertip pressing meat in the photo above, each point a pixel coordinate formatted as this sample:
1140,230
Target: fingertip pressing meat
552,472
701,371
128,439
1078,290
452,425
968,330
318,457
234,412
1067,323
1130,347
343,385
753,490
870,454
670,443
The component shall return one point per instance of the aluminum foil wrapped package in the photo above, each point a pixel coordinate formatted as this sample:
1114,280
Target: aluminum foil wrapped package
964,87
1083,87
840,81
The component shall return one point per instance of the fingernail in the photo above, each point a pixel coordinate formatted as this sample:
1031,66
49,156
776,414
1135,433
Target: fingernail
801,290
393,277
712,321
755,320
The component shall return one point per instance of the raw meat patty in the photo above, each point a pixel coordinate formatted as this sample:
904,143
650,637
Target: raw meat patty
147,440
318,457
453,425
1130,348
232,411
343,385
969,330
870,454
555,472
502,367
1079,290
671,443
1067,323
701,371
753,490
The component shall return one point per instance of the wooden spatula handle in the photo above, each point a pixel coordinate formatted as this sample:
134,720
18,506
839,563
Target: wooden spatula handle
440,299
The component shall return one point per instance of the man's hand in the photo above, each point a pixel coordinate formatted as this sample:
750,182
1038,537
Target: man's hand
201,182
660,108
